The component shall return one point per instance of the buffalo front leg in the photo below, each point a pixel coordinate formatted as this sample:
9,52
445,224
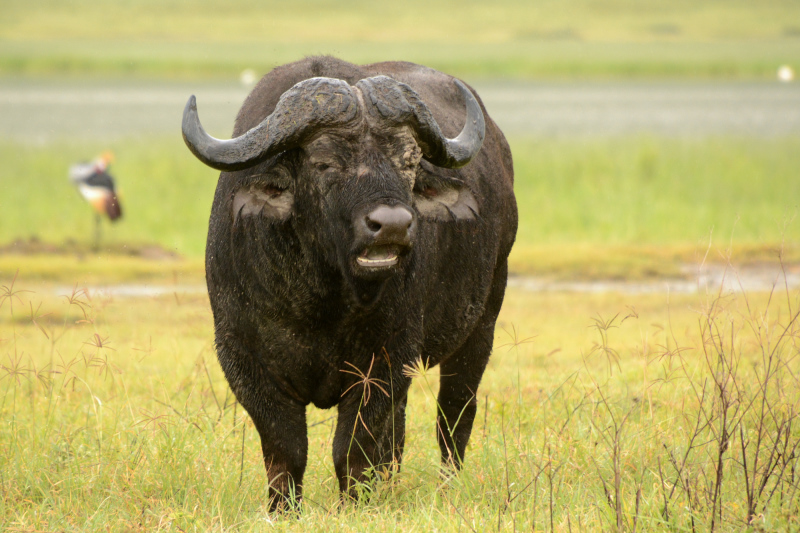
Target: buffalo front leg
370,434
461,374
458,388
281,424
284,443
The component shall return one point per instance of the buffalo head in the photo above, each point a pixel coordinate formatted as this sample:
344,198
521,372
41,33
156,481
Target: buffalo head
348,161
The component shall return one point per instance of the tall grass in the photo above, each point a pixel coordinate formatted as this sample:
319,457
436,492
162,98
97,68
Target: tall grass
590,194
601,412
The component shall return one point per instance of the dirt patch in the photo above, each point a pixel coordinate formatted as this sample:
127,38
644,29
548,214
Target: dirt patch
34,246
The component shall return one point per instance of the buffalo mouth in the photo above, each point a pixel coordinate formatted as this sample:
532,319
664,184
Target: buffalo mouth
379,257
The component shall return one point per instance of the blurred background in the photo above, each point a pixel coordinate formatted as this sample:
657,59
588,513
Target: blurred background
643,131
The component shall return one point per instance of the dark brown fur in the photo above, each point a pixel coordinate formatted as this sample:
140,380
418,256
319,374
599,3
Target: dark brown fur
296,323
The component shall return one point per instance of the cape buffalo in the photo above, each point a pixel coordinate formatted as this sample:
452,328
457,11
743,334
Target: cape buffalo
361,225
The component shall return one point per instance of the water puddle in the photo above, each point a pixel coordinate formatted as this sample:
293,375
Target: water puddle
760,278
136,290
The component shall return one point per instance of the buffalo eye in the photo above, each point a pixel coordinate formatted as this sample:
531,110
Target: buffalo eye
322,167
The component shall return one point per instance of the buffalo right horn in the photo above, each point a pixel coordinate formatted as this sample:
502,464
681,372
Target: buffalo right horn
310,104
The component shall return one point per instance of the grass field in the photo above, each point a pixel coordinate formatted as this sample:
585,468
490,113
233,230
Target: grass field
513,38
597,412
620,207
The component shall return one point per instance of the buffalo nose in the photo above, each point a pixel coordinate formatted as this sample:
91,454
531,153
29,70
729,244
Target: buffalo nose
389,224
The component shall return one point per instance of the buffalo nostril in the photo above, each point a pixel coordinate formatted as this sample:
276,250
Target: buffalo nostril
389,222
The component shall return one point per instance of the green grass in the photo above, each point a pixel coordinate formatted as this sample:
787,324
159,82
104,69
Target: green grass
415,20
514,38
523,59
649,190
620,207
103,268
654,202
115,415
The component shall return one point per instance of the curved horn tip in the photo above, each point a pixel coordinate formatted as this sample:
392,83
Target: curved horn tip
226,155
466,146
191,104
189,113
473,108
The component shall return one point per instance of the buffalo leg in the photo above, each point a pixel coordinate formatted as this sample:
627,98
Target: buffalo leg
370,434
280,421
284,443
458,387
461,374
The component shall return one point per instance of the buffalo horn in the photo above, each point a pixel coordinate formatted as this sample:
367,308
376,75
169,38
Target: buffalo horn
399,103
310,104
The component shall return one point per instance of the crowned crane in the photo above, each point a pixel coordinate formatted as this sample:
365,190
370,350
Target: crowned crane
97,186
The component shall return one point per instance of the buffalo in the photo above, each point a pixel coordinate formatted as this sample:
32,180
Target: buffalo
361,227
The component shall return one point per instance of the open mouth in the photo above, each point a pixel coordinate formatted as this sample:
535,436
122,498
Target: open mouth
378,257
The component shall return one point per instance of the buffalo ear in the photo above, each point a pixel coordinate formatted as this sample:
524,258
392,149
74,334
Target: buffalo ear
445,201
263,200
265,194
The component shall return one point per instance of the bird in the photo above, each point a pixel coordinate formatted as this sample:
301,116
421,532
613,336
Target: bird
97,186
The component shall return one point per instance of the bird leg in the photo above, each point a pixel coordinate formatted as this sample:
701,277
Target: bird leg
97,228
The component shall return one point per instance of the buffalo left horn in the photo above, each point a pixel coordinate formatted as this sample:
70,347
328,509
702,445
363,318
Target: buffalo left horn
310,104
398,103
